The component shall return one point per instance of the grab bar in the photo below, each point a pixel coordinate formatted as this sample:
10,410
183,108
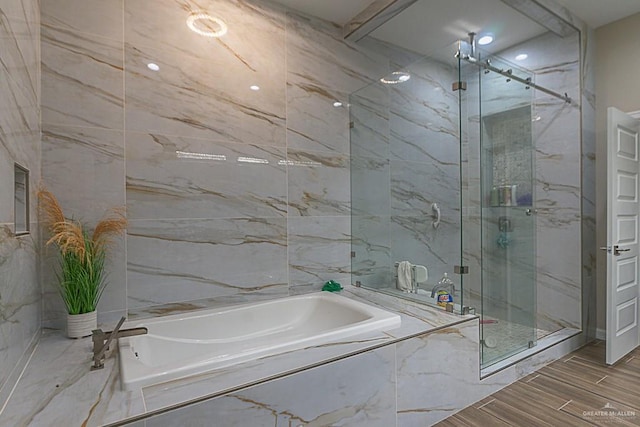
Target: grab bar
436,215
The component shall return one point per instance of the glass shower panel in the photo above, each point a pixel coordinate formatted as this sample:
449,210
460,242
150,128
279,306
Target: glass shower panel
370,187
508,294
405,176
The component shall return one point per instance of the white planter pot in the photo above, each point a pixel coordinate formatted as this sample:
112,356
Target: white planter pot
81,325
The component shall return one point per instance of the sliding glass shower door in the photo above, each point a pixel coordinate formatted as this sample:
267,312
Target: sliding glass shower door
508,234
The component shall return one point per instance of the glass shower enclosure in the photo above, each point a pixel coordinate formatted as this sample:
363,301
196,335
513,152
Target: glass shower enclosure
442,176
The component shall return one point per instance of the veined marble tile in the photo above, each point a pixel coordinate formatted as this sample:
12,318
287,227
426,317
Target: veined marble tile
21,10
318,184
369,112
19,298
19,43
370,186
337,398
414,239
209,87
19,113
174,177
436,374
416,186
81,164
557,155
6,191
319,250
371,242
423,140
254,42
97,17
183,260
424,116
58,379
559,286
322,68
82,77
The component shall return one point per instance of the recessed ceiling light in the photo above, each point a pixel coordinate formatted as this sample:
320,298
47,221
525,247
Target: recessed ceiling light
206,25
254,87
485,40
521,57
153,67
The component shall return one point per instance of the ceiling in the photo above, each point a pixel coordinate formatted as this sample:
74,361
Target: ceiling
338,11
597,13
594,12
430,25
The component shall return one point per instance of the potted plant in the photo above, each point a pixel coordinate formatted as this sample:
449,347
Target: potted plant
81,275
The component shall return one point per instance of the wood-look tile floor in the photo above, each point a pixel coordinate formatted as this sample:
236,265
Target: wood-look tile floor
577,390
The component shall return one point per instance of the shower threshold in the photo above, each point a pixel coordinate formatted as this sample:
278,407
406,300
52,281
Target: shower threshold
542,344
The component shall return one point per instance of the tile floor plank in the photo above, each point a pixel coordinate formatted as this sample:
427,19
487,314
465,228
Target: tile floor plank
581,401
514,416
515,398
473,417
578,390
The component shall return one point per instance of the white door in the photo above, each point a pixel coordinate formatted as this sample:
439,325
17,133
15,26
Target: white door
623,209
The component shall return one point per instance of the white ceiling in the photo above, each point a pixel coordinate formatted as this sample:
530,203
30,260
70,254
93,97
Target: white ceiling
338,11
428,26
601,12
594,12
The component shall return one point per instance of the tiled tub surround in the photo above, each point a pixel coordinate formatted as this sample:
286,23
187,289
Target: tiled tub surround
423,371
212,173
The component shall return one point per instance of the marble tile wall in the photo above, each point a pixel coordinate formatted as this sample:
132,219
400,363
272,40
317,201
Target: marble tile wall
588,163
19,143
232,194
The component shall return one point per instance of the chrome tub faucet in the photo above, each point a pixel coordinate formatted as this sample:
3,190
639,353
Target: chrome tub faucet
101,341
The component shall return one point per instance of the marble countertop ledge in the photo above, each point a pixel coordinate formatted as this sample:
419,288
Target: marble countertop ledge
57,387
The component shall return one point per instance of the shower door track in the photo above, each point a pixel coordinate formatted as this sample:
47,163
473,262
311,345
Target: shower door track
486,65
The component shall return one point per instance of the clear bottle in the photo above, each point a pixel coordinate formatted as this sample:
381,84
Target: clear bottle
446,290
493,198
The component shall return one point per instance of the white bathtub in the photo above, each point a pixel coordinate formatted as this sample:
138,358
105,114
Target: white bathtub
187,344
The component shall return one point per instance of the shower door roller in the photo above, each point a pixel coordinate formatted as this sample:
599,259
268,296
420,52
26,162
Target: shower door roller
616,249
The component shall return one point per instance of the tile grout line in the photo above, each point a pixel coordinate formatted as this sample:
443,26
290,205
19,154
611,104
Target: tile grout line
568,401
485,404
15,385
